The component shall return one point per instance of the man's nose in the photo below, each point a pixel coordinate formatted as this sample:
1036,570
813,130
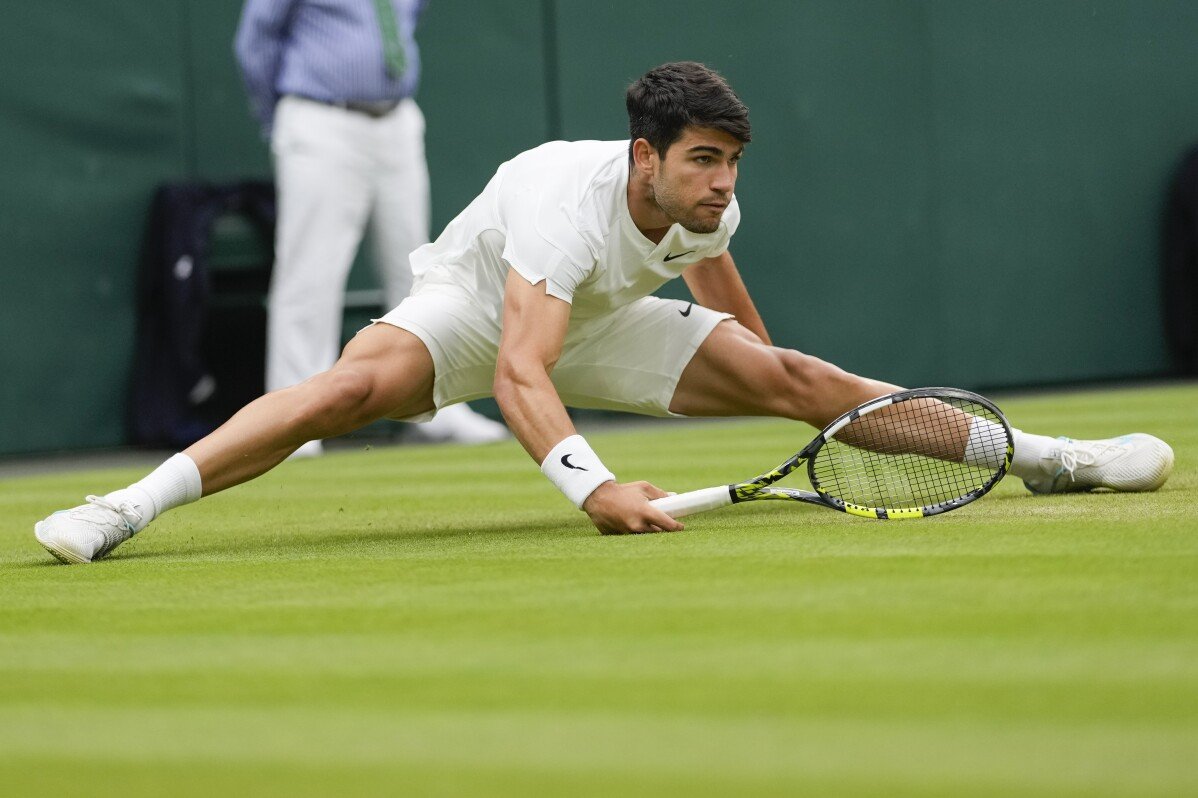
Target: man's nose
724,179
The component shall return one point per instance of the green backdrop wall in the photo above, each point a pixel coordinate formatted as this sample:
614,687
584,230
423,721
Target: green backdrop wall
938,192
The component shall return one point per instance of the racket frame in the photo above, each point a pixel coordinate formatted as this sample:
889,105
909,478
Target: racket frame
758,488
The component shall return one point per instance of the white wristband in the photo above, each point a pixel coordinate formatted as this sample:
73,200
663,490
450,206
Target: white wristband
575,468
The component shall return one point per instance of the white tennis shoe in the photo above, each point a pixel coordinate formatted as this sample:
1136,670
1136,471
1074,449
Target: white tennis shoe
460,424
89,531
1135,462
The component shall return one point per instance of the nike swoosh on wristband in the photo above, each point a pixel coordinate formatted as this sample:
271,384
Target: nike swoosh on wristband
687,312
566,462
671,256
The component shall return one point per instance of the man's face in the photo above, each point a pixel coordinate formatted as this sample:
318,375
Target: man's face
693,184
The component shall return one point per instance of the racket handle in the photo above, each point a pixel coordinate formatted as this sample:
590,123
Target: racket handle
696,501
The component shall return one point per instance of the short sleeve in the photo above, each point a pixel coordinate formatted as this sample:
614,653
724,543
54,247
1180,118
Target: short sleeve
543,241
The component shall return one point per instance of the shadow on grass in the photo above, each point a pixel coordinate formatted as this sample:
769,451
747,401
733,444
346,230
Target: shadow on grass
396,540
48,562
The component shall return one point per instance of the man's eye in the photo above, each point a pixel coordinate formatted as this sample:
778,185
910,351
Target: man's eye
703,159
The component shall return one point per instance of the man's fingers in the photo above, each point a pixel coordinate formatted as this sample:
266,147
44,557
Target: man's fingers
664,522
649,490
641,527
625,510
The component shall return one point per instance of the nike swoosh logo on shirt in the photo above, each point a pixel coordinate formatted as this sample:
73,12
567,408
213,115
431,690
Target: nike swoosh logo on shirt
687,312
671,257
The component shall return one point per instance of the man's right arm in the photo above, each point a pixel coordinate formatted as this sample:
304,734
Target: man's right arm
534,329
259,47
715,283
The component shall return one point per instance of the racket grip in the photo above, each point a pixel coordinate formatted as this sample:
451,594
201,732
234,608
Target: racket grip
696,501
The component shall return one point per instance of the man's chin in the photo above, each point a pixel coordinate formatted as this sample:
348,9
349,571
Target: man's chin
695,226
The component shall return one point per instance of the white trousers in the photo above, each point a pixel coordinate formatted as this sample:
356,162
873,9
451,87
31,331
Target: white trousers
338,173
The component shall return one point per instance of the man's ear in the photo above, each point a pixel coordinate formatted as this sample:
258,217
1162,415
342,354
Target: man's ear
644,157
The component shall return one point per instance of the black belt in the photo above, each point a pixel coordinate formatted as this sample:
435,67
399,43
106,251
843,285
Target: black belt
374,109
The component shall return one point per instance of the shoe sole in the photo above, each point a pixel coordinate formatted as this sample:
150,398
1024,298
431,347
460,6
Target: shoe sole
64,556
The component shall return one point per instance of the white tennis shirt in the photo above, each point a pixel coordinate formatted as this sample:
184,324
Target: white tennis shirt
559,213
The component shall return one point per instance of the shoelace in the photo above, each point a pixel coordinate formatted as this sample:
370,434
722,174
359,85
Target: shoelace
1071,458
126,510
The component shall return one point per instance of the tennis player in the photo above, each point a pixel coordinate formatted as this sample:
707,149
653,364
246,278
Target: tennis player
539,293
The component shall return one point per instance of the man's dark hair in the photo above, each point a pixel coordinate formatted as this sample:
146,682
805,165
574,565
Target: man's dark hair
672,96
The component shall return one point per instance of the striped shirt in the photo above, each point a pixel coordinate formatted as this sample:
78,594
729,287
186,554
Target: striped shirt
327,50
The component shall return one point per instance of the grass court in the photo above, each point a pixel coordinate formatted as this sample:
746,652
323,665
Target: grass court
439,621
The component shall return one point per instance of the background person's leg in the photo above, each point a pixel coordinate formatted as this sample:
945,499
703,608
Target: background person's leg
399,224
399,220
324,198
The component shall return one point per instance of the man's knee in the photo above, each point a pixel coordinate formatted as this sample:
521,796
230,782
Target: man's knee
806,388
336,401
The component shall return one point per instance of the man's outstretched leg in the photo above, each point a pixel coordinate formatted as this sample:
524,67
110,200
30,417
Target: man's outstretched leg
384,371
734,373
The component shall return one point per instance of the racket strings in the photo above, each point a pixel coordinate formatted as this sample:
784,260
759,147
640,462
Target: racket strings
917,453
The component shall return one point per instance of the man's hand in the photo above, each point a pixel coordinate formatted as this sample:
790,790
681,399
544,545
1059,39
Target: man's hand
624,509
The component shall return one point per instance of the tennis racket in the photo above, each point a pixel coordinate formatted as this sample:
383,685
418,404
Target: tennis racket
909,454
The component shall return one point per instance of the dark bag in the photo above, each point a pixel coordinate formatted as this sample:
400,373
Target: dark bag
197,361
1180,266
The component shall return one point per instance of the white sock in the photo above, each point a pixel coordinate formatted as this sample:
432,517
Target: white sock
1029,450
987,446
175,482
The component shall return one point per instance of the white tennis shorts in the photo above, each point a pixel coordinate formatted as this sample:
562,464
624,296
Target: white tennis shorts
628,360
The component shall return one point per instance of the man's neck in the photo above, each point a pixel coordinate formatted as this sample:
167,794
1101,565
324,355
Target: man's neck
646,215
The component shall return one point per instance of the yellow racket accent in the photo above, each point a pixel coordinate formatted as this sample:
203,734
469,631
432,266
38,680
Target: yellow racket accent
911,512
864,512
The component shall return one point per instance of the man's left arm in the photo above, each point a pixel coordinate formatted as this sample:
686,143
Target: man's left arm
715,283
259,43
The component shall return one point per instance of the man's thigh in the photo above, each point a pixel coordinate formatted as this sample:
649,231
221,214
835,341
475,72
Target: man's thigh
399,369
461,340
733,373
